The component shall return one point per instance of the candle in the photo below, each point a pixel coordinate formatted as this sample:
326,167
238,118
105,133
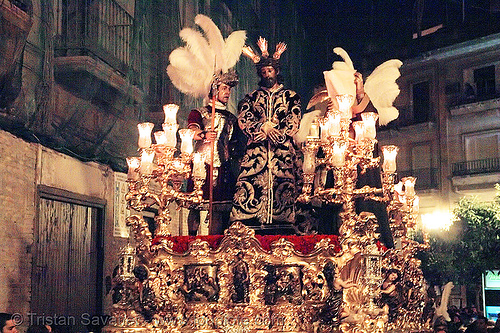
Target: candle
161,137
314,130
198,166
177,165
186,140
133,164
359,129
170,111
325,128
309,161
416,204
147,161
390,152
370,120
338,156
170,134
405,204
334,120
144,134
398,191
345,102
410,186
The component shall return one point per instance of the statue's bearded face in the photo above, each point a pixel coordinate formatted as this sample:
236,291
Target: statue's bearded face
269,76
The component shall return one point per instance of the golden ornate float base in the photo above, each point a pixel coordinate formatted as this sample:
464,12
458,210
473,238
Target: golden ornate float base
240,287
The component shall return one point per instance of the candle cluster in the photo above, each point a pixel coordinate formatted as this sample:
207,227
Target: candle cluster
164,148
156,178
346,153
332,134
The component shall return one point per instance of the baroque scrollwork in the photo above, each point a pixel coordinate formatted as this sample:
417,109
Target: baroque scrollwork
240,287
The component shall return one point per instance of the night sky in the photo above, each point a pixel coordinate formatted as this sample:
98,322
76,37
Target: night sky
377,30
373,31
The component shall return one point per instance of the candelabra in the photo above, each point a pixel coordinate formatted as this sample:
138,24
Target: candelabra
156,177
348,151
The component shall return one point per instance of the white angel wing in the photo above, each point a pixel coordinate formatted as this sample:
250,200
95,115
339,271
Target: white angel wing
442,309
305,125
382,89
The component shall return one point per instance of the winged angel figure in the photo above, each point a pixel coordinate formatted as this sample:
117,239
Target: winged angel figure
380,89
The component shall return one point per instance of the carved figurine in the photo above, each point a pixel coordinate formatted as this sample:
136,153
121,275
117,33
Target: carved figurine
241,280
331,312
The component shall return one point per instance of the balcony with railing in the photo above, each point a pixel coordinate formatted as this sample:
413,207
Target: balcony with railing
477,174
95,40
427,178
489,165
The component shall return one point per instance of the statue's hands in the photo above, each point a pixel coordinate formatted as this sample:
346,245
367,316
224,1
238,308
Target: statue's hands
260,136
267,127
275,136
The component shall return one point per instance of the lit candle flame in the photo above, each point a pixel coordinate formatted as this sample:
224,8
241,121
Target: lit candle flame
170,111
145,134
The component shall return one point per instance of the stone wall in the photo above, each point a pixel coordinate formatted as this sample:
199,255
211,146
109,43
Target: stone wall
18,165
24,166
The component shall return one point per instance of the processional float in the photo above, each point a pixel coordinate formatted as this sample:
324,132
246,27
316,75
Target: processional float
244,284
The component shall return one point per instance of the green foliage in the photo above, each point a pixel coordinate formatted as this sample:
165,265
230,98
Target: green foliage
473,247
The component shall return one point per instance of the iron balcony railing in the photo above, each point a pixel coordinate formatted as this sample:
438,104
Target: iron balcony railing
98,28
426,178
475,167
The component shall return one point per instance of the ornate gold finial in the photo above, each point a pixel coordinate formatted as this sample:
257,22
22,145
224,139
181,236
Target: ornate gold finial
280,48
248,52
264,57
262,44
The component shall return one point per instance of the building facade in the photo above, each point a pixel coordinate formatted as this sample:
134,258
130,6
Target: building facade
449,126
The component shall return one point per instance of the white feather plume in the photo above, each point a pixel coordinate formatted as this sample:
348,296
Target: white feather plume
232,48
197,44
382,89
214,37
340,79
344,65
193,66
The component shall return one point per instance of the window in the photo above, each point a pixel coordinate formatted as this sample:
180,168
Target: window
421,102
484,78
421,164
481,146
421,157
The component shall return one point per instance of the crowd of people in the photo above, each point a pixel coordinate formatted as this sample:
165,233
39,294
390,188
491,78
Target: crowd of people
465,320
9,324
